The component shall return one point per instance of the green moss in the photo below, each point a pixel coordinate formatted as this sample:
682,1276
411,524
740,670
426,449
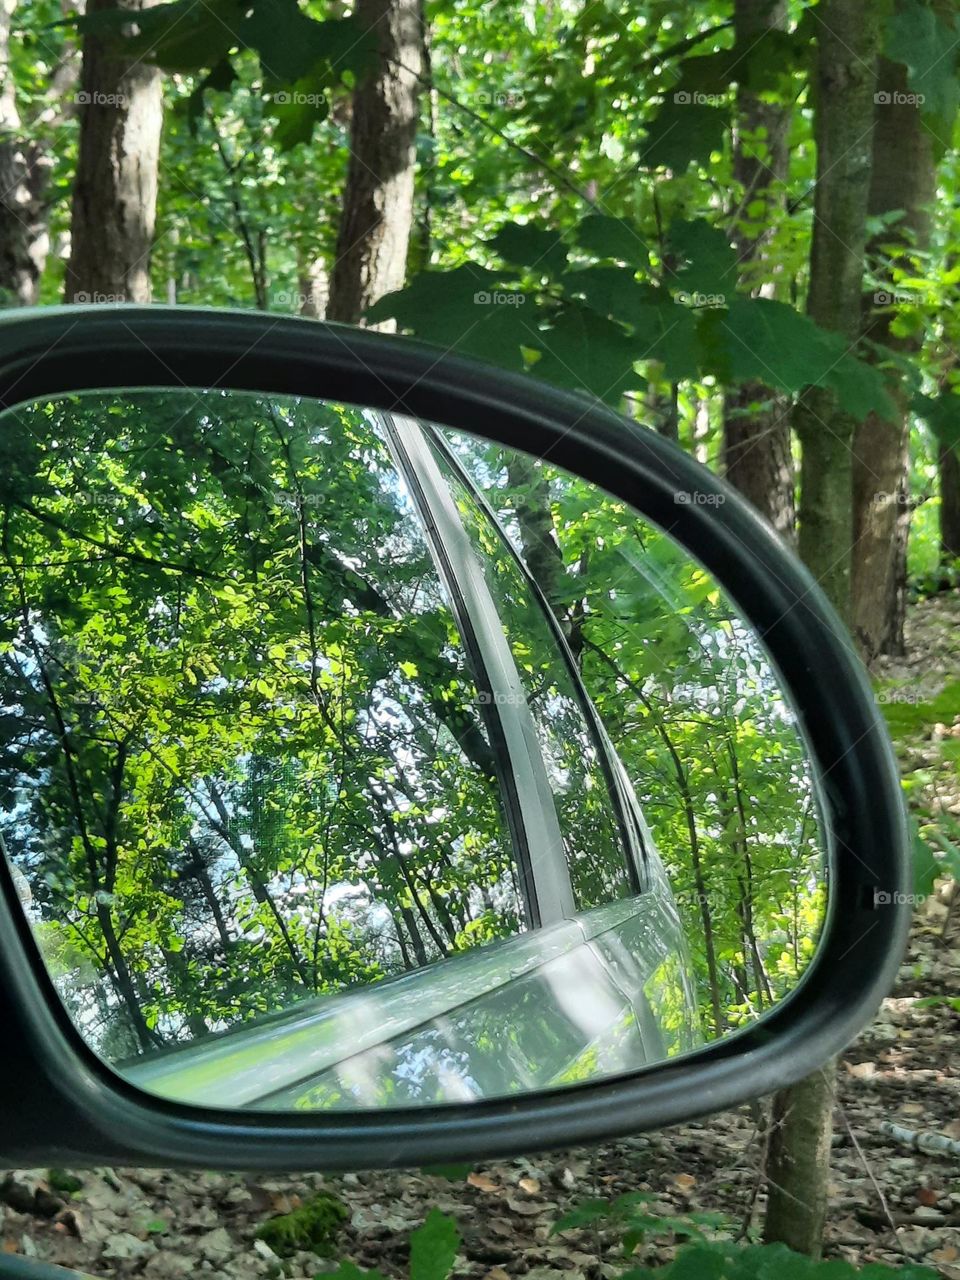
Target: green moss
313,1227
65,1183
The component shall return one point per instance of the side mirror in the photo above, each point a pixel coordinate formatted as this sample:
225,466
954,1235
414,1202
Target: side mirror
401,761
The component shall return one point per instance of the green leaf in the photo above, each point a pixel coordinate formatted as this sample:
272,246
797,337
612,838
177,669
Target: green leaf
350,1271
613,291
296,111
771,55
918,37
617,238
287,41
758,338
587,352
708,262
221,79
861,388
466,310
942,415
540,251
291,45
950,850
668,333
584,1215
926,867
181,36
707,73
698,1263
433,1247
660,328
682,132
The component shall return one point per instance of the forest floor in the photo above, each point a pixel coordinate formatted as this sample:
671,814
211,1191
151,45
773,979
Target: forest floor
889,1202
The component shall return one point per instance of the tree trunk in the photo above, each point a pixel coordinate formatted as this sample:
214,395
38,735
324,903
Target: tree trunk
416,941
845,80
798,1159
202,877
377,216
123,980
798,1162
115,190
903,177
756,425
949,504
314,286
24,172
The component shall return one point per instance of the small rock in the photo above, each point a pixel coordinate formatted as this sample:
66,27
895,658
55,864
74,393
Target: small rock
927,1215
169,1266
216,1244
526,1208
125,1245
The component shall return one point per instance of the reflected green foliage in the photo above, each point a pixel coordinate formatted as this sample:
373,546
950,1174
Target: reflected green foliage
242,756
250,759
699,719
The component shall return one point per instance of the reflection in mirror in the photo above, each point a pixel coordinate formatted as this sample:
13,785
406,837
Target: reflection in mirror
347,761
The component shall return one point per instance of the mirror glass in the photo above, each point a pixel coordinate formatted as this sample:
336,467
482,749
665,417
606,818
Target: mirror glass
348,761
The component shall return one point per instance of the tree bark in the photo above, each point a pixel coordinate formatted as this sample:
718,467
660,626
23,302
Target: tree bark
115,190
848,38
903,177
949,504
756,425
314,286
798,1158
24,173
375,227
798,1163
123,980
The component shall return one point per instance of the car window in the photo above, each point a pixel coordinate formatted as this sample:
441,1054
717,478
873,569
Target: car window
597,854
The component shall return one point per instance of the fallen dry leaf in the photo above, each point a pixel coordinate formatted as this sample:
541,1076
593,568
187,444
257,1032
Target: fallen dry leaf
684,1181
482,1182
862,1070
530,1185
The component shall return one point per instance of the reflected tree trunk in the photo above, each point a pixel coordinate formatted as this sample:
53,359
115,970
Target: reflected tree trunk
690,817
224,828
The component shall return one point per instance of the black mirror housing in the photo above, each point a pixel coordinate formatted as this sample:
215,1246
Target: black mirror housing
72,1110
